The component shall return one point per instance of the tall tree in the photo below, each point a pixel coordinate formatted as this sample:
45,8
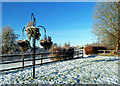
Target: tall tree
67,44
8,40
55,45
106,23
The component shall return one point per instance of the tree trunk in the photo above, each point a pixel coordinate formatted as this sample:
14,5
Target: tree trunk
118,32
117,44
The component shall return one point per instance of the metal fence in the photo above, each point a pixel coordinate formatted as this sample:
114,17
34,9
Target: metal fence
77,52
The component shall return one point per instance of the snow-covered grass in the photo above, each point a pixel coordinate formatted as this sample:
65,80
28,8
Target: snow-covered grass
87,70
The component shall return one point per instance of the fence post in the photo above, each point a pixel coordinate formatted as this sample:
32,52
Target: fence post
82,53
78,53
104,51
23,59
41,58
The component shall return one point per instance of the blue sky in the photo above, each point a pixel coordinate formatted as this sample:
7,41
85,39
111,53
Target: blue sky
65,21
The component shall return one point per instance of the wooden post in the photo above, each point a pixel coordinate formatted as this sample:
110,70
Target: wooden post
78,53
23,59
22,50
104,51
82,53
41,59
33,57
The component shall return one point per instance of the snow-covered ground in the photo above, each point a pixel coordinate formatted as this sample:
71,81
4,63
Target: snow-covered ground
87,70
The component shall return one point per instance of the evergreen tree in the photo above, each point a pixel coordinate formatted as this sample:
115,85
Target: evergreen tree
9,45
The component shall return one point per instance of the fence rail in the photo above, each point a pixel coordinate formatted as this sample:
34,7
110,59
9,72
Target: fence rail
77,52
108,51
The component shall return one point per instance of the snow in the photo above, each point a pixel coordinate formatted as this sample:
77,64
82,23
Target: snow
87,70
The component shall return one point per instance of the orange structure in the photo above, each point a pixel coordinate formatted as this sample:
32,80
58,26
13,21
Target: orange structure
93,49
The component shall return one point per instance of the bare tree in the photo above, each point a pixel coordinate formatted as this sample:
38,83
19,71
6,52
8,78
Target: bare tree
67,44
106,23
